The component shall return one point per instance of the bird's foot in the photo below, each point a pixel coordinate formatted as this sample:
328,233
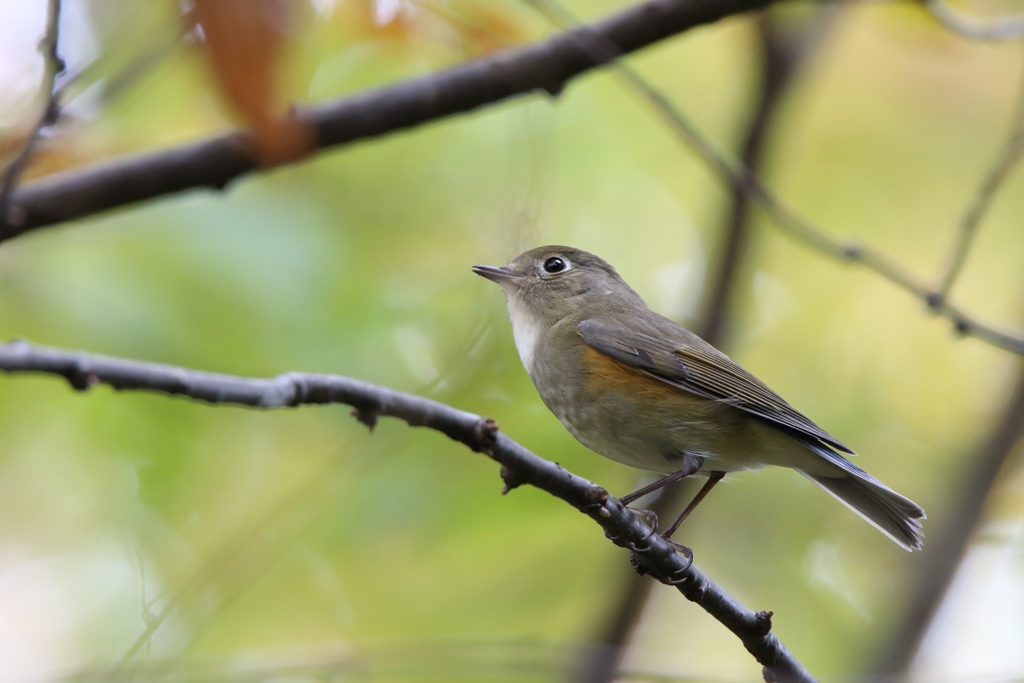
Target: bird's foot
650,519
684,550
649,516
680,576
677,577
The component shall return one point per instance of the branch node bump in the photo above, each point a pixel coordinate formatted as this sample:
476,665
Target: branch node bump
553,89
852,252
637,563
596,496
764,622
300,393
368,416
511,480
484,433
935,300
962,326
81,380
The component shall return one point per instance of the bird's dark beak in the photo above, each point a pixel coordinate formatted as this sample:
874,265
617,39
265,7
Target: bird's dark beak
496,273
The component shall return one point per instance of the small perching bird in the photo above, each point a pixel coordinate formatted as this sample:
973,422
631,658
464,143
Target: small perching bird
641,390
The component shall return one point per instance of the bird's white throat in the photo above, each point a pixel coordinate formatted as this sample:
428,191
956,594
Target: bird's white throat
526,328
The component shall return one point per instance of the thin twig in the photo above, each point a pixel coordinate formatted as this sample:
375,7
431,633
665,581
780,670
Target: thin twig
999,28
651,554
813,236
1004,163
53,66
110,87
738,176
782,56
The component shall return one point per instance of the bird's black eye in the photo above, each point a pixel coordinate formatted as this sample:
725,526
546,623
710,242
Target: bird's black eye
554,265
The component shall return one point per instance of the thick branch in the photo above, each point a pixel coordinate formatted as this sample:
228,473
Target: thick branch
651,553
547,65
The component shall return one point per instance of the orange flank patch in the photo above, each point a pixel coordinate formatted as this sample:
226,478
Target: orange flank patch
604,374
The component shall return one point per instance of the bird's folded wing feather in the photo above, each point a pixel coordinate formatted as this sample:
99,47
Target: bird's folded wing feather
676,356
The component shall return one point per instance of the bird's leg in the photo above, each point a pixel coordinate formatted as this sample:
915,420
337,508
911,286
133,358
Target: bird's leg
661,483
713,478
690,467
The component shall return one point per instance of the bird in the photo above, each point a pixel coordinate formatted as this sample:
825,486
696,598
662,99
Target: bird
642,390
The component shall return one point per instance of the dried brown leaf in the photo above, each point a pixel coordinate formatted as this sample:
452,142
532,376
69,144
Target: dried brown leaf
244,42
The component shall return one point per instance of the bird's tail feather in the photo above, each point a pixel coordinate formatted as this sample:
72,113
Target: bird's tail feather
897,517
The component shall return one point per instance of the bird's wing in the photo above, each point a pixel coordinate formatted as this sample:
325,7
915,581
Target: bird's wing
675,356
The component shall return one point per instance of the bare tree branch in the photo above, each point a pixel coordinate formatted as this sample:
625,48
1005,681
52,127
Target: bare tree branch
934,570
544,66
742,179
651,554
782,56
547,65
1004,163
1002,28
53,66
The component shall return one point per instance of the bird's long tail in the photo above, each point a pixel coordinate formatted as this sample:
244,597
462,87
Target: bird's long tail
897,517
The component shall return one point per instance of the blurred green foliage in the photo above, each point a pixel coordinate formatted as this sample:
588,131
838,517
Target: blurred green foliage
297,536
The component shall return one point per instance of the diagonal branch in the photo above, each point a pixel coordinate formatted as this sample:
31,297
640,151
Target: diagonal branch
651,554
547,66
1007,159
744,182
782,57
742,179
53,66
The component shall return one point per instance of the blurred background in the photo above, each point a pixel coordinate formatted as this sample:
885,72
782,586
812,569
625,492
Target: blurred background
144,537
